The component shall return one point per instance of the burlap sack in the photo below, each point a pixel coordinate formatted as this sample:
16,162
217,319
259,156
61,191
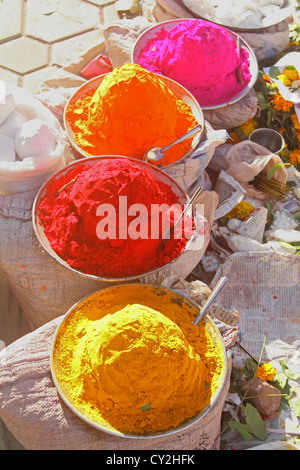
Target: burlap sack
34,413
233,115
189,172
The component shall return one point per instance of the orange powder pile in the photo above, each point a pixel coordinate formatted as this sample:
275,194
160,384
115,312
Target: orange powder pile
130,111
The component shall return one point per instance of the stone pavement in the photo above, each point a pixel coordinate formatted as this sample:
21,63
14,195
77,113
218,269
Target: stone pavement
39,36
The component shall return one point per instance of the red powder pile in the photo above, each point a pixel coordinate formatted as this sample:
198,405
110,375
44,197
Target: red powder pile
68,213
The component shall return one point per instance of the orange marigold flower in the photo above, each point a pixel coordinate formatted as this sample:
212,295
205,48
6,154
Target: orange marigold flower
295,121
281,104
266,372
266,78
294,157
235,139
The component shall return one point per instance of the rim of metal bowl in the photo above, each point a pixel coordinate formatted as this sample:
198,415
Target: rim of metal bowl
169,24
37,227
186,96
188,422
282,15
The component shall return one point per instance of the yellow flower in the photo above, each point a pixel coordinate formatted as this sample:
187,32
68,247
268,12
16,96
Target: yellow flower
281,104
294,157
241,211
283,152
288,76
249,127
266,372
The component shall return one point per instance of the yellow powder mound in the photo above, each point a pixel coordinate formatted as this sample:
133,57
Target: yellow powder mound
136,370
131,111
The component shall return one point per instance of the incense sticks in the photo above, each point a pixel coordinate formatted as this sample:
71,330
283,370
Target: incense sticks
273,188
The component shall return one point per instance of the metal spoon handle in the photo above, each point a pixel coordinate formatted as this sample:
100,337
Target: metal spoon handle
188,205
186,136
219,286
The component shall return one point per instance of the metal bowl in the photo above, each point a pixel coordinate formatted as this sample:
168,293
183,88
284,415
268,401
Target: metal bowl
271,20
92,161
268,138
124,295
175,87
151,33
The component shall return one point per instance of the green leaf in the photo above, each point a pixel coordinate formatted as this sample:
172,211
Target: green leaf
146,407
274,72
297,408
250,367
273,170
255,422
243,429
287,372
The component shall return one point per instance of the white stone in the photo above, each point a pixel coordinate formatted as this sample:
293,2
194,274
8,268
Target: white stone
7,149
14,121
34,138
7,102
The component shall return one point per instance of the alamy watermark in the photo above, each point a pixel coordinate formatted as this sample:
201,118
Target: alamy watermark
137,221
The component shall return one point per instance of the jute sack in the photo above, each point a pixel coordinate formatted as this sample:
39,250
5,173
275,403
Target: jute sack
189,172
34,413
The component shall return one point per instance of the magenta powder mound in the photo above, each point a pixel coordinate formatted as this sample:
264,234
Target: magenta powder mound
201,56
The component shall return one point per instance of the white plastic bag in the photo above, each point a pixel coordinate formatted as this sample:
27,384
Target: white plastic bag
25,175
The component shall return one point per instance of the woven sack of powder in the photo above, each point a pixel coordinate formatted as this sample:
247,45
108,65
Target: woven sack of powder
163,10
34,164
189,173
233,115
39,419
120,37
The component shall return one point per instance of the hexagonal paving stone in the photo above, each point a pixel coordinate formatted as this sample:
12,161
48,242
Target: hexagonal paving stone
23,55
11,19
67,51
9,77
32,81
52,20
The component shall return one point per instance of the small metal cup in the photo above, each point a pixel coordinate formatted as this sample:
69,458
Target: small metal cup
268,138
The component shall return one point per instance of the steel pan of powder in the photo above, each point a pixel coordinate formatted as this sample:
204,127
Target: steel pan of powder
151,33
124,295
175,87
90,162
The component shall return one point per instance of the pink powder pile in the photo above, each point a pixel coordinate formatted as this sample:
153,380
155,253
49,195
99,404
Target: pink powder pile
202,57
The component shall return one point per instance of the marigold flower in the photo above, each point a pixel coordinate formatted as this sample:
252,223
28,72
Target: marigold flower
235,139
281,104
249,127
295,121
241,211
266,78
288,76
266,372
294,157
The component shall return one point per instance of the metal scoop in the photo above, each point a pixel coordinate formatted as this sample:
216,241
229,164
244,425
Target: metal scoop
157,153
219,286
